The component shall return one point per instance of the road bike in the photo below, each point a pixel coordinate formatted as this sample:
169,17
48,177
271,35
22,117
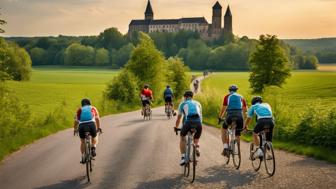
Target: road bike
268,153
147,112
169,111
234,145
190,155
88,158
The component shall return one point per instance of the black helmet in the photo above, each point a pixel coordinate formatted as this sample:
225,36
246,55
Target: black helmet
168,86
233,88
85,102
146,86
188,94
256,99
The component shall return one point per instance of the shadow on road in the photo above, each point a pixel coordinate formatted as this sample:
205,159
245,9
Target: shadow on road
216,176
78,183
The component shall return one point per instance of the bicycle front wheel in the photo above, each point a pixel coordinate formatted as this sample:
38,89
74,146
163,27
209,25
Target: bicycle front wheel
256,162
269,159
236,157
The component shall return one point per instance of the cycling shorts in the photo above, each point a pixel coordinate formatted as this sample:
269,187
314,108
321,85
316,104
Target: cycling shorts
260,127
87,127
234,116
168,99
192,123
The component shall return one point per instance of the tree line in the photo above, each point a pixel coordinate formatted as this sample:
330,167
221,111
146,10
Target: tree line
112,48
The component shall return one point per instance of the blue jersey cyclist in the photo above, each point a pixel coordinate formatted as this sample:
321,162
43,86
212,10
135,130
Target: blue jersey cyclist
234,107
191,111
168,96
264,115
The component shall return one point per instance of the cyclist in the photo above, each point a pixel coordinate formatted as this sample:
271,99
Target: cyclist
168,96
196,85
191,111
146,97
87,120
234,105
264,115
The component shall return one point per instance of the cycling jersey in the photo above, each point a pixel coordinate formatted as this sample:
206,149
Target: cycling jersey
146,94
262,111
191,109
234,101
81,118
168,93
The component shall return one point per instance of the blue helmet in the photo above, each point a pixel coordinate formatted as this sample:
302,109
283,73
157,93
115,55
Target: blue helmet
233,88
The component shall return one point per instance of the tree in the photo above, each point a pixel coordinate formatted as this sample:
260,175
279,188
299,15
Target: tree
178,78
196,55
120,57
38,56
111,39
102,57
269,65
123,87
147,64
77,54
2,22
15,62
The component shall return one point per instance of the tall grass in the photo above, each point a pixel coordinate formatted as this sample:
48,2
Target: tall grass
304,109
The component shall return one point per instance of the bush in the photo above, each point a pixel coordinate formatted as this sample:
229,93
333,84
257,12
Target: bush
15,62
123,88
178,78
77,54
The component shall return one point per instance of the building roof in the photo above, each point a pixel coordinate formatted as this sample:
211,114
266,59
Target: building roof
200,20
149,9
217,6
140,22
228,12
164,21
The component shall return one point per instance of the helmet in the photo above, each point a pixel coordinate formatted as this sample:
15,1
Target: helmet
168,86
146,86
256,99
233,88
188,94
85,101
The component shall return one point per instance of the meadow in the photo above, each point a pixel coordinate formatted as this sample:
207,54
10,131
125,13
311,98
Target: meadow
304,108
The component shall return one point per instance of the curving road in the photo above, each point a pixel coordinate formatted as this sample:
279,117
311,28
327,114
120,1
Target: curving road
134,153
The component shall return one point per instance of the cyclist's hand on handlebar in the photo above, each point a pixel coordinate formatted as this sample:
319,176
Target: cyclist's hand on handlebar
100,130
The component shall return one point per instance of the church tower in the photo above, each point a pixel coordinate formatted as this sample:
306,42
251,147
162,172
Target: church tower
228,21
216,18
149,15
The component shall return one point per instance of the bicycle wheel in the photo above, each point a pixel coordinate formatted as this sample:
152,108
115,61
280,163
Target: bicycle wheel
236,157
256,162
269,159
87,160
194,163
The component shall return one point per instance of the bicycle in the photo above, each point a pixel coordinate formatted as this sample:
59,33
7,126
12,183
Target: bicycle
268,153
169,111
234,145
190,155
87,153
147,112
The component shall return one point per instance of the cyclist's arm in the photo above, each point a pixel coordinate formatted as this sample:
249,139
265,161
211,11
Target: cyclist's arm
222,112
75,125
247,122
178,120
250,114
97,123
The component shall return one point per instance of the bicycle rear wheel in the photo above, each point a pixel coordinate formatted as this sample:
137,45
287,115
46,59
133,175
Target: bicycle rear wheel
194,163
87,160
269,159
256,162
186,169
236,157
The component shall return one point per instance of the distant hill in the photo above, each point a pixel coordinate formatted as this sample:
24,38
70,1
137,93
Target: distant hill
323,48
313,45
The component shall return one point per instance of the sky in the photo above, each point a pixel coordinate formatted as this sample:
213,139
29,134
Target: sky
284,18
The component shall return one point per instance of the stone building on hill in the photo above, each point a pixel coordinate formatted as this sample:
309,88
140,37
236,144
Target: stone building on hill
195,24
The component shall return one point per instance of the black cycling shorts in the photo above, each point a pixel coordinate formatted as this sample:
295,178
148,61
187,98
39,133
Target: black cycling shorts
192,123
168,99
260,127
87,127
236,116
145,102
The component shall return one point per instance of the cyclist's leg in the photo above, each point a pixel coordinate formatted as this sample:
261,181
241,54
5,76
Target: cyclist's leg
269,135
184,131
225,139
197,136
93,133
81,130
257,129
239,127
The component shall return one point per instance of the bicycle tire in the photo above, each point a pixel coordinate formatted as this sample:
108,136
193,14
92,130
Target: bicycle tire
236,156
87,160
194,163
268,150
256,162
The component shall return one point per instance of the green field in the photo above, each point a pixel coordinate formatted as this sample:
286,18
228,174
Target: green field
304,102
50,87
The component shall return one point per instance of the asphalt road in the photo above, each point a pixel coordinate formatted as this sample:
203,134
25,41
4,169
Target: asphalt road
134,153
